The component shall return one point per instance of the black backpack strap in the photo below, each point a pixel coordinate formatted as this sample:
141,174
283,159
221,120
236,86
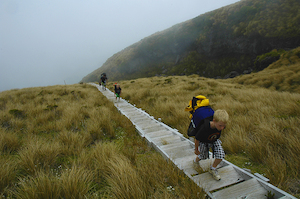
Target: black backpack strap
210,118
194,103
193,131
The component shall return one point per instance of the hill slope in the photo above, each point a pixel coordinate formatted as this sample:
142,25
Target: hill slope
211,45
282,75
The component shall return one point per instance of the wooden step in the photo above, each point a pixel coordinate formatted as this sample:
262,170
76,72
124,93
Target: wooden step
181,145
135,114
167,139
140,120
189,167
186,164
157,134
152,129
228,177
147,124
175,152
247,189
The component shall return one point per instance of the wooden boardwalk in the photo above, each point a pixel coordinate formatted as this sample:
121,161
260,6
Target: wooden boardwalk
235,182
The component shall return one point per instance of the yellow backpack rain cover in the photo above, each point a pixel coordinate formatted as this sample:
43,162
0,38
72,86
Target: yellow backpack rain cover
195,103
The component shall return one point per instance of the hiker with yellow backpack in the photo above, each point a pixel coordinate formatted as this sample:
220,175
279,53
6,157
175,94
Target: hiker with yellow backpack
206,125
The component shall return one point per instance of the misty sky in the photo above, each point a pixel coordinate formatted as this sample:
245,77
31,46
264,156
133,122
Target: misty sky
51,42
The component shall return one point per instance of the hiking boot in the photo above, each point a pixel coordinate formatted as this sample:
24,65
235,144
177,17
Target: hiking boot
214,173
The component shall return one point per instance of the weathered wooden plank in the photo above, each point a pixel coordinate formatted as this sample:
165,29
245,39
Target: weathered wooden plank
125,107
153,129
167,139
133,111
134,114
205,164
160,133
228,177
149,124
247,189
178,152
187,166
185,162
182,145
139,120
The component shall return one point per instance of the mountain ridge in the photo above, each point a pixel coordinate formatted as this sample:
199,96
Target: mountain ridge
210,45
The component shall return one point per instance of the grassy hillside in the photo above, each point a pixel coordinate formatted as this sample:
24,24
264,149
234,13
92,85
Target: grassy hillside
282,75
263,133
212,44
71,142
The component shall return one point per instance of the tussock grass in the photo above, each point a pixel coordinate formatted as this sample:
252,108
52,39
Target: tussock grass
71,183
43,185
124,180
8,168
71,142
76,182
38,154
263,126
102,153
9,142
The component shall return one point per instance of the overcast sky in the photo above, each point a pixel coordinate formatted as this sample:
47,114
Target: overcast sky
51,42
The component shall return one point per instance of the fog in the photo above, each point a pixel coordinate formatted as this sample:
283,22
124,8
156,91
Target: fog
56,42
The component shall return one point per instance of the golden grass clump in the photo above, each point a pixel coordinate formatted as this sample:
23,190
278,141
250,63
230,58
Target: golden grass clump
72,183
38,154
76,182
43,185
8,168
104,128
73,143
103,152
123,179
9,142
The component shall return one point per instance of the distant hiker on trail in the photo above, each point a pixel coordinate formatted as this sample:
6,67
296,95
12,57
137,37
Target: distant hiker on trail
208,137
117,91
103,80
